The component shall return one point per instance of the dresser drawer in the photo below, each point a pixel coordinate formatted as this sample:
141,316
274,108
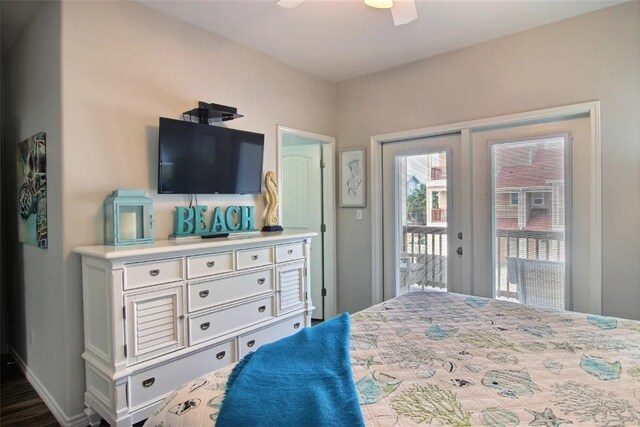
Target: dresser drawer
289,252
219,291
249,258
207,265
152,273
209,325
153,384
254,339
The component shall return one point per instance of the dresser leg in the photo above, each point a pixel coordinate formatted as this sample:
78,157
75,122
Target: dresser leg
94,417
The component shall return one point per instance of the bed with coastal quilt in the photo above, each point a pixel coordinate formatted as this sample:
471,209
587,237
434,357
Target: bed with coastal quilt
448,359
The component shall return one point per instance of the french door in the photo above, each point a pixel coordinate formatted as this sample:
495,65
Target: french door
420,221
502,212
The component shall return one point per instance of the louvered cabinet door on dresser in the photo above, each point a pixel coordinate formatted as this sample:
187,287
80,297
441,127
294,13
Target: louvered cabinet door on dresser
154,323
159,315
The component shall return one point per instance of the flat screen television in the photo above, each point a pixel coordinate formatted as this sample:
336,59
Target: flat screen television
196,158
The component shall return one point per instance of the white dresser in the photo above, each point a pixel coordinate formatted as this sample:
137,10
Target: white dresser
159,315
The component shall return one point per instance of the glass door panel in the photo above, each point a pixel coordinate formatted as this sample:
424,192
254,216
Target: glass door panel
423,222
418,215
528,205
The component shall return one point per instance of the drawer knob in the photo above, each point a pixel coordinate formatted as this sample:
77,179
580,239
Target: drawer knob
148,382
262,308
251,343
154,272
254,257
203,294
290,251
296,325
261,281
204,326
221,355
211,264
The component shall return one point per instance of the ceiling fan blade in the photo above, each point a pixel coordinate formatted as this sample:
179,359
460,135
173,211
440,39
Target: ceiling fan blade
289,4
403,11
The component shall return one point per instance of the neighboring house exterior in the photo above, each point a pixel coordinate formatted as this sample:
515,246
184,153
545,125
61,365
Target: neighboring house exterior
430,169
529,188
412,184
436,189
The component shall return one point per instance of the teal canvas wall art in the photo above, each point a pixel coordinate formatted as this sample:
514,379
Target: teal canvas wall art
32,190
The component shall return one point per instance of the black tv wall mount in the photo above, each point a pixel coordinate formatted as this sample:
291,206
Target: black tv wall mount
208,113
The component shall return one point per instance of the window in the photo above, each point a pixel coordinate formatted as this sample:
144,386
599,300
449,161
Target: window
437,173
538,199
435,200
514,198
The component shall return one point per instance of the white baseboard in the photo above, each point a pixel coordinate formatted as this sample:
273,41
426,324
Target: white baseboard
78,420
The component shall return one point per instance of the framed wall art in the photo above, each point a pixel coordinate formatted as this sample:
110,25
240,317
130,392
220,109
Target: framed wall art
32,191
353,178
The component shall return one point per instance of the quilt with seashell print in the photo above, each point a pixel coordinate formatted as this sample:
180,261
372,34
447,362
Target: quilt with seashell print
437,358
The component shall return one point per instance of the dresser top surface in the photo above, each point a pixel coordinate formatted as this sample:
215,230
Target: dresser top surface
160,247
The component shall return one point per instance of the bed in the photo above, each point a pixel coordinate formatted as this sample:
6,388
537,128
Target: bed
449,359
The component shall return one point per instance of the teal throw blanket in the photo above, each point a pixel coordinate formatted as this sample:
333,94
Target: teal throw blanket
301,380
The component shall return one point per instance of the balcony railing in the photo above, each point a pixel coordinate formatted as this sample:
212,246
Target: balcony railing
423,260
526,245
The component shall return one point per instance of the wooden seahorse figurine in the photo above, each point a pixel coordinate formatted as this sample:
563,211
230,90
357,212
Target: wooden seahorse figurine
271,194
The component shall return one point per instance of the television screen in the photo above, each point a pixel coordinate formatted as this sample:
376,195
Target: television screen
200,159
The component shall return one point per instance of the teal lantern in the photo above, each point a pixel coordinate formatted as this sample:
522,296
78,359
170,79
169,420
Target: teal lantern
128,218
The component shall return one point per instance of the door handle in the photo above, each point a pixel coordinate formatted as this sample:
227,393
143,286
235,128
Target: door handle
459,251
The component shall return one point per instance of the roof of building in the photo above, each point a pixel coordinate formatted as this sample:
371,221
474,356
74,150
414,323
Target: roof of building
547,165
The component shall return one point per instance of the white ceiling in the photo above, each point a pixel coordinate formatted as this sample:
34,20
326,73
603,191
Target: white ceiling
342,39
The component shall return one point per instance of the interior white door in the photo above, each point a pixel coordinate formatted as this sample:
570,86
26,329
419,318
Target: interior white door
302,204
421,220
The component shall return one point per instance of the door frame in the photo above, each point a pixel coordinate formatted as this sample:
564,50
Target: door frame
329,202
586,109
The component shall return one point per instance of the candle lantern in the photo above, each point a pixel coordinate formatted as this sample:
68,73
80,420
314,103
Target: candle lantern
128,218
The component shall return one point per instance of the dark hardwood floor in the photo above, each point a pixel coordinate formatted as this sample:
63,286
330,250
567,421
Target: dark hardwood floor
20,405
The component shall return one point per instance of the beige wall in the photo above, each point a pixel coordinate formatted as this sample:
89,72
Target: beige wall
124,65
35,288
590,57
104,72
